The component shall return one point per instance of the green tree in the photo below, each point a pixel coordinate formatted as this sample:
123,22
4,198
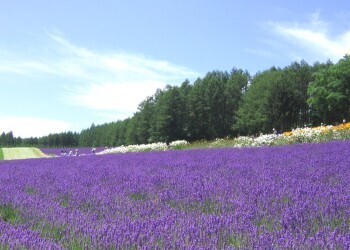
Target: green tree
145,115
256,109
131,135
9,139
277,98
234,91
167,121
198,112
298,76
329,92
287,100
3,139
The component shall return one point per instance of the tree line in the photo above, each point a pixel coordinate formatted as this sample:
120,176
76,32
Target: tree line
223,104
65,139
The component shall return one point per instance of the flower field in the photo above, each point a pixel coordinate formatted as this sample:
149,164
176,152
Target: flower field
299,135
295,196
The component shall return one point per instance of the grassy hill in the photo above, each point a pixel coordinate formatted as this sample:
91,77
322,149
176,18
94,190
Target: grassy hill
20,153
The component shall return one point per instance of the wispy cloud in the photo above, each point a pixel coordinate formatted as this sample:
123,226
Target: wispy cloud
115,81
115,63
111,81
108,83
314,37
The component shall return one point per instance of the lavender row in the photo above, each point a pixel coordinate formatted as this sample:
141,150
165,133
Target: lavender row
277,197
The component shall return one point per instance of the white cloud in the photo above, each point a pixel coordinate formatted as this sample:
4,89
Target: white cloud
120,97
116,81
31,126
313,37
110,82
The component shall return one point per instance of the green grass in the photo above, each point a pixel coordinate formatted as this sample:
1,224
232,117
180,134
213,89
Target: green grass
8,214
64,200
31,190
21,153
138,196
218,143
58,233
1,154
237,241
208,206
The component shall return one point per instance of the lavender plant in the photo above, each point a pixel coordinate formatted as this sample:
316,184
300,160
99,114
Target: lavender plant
293,196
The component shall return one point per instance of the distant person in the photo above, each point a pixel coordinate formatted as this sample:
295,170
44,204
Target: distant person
76,152
70,152
93,150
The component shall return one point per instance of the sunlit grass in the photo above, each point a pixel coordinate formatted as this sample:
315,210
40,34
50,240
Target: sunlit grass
21,153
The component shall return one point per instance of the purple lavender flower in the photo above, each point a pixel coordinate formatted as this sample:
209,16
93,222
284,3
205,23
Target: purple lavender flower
275,197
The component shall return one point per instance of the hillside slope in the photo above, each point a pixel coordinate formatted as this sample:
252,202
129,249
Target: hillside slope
22,153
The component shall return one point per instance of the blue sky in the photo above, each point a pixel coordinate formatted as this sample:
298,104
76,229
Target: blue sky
67,64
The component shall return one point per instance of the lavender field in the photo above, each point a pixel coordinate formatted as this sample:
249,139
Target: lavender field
271,197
